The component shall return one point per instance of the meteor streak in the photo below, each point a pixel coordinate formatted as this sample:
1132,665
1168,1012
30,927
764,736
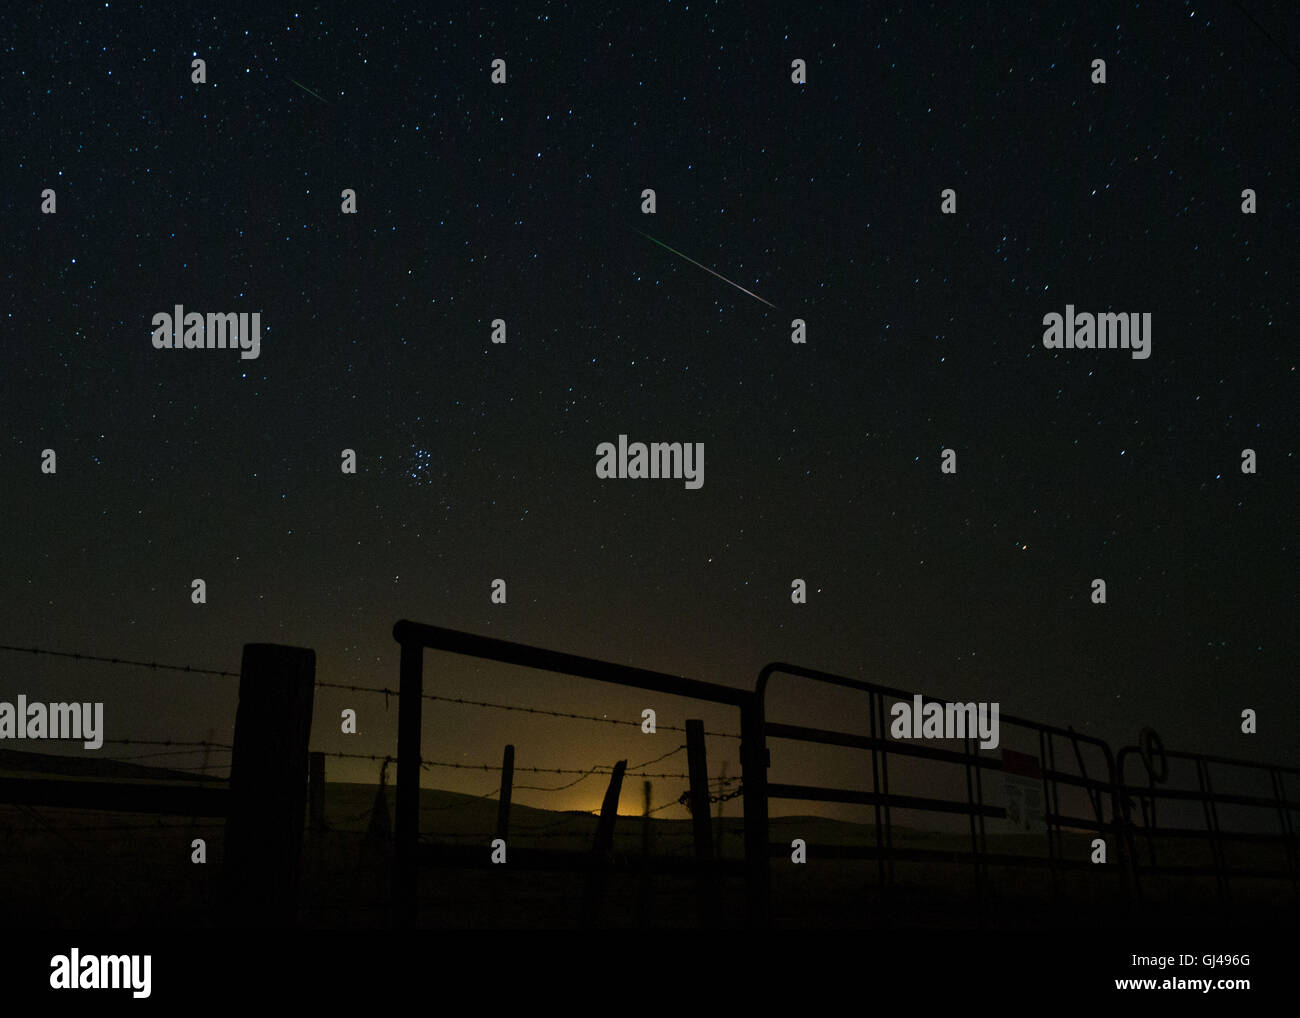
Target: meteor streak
308,90
707,269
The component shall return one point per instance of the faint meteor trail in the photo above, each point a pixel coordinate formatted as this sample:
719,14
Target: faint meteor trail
308,90
707,269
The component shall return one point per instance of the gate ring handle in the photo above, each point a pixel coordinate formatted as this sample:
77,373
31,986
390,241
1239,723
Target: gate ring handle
1153,755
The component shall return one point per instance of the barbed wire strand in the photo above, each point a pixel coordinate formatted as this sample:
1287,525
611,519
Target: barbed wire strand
120,661
115,827
151,756
600,769
167,742
558,788
671,752
162,769
388,692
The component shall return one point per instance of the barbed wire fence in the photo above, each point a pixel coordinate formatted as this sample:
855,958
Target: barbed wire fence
170,749
65,838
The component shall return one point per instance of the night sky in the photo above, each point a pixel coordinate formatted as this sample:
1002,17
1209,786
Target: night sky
477,460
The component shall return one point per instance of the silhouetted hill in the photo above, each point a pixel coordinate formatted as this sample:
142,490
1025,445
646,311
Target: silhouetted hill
14,763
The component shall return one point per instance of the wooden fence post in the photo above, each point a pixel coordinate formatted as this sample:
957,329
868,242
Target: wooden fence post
375,855
603,848
268,785
503,823
753,762
507,783
316,789
406,874
706,889
643,883
722,802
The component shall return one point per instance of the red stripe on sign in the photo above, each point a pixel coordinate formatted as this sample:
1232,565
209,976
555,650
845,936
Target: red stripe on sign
1024,764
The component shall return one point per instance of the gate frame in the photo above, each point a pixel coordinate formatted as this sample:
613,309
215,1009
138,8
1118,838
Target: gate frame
1146,798
974,807
414,638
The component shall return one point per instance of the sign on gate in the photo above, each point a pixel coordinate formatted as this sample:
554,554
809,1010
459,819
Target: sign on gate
1022,792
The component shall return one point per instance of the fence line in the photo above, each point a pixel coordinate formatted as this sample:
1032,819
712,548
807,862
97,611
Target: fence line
1123,797
381,690
120,827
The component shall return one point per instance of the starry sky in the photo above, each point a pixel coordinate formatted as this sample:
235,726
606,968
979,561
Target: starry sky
477,461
